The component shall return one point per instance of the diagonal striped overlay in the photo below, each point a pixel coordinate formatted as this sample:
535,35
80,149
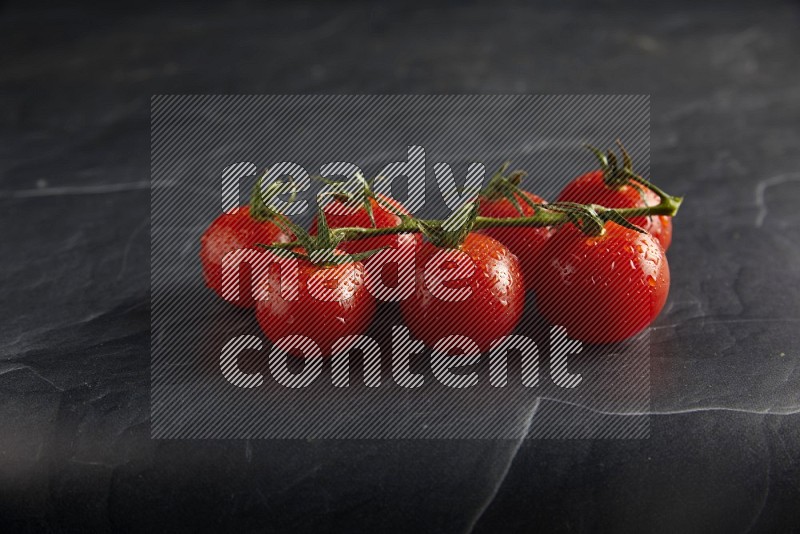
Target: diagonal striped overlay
194,139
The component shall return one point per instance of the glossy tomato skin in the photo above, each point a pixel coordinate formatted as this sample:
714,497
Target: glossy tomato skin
359,218
493,308
601,289
525,242
591,188
316,315
232,231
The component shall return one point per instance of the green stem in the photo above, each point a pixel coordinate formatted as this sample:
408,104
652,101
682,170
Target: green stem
666,199
543,217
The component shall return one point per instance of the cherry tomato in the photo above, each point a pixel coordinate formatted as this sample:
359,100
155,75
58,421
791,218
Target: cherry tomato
591,188
359,218
232,231
493,287
601,289
330,302
525,242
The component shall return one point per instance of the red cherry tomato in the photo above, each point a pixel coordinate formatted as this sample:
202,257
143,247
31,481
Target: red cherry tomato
591,188
359,218
601,289
331,302
525,242
495,289
232,231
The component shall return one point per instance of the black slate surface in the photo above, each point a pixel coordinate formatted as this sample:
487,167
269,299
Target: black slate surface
75,451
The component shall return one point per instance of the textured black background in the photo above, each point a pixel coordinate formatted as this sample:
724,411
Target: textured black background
75,86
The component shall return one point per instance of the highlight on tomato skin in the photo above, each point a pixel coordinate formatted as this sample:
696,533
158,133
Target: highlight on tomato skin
525,242
496,294
231,231
331,302
602,289
591,188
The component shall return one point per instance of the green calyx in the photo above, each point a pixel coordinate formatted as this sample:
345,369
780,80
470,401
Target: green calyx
450,232
614,175
320,249
258,206
502,185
